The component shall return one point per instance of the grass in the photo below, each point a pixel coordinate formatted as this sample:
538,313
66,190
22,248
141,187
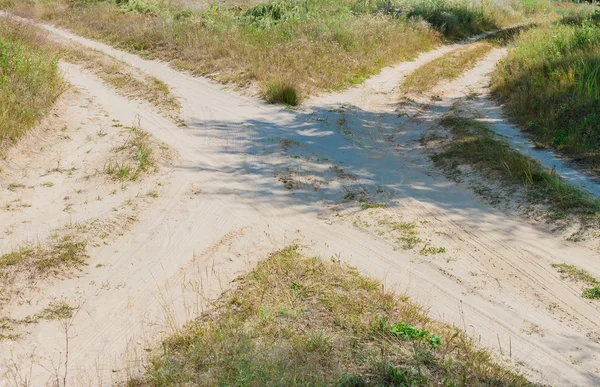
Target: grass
474,144
445,68
278,92
30,81
125,79
56,310
134,158
311,45
550,82
62,253
575,274
303,321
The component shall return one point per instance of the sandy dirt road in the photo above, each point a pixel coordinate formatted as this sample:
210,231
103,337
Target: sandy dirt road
251,178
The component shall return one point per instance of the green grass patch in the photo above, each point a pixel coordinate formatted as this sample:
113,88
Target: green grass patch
30,81
550,82
474,144
314,45
575,274
303,321
278,92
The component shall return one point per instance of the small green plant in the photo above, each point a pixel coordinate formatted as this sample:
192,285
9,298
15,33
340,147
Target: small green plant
430,250
576,274
349,196
408,332
280,92
592,293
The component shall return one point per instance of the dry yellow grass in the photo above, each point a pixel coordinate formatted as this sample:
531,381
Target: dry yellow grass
303,321
445,68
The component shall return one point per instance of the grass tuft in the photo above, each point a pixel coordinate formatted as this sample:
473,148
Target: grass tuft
134,158
280,92
296,320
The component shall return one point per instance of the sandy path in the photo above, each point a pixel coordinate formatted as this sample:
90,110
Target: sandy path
224,209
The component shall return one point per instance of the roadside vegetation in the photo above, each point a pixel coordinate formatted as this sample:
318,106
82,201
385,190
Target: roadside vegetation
126,80
474,144
30,81
445,68
284,49
304,321
550,82
591,288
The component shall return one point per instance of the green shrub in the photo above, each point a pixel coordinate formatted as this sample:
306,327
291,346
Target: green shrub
281,92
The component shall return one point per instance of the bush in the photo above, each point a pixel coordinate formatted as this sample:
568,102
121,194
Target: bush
281,92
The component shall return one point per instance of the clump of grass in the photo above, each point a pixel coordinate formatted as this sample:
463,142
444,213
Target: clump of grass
56,310
60,254
30,81
576,274
303,321
476,145
134,158
550,82
314,45
280,92
447,67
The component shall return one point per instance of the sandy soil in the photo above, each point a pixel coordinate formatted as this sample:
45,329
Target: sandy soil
251,178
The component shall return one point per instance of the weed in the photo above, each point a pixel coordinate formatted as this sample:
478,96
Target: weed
134,158
349,196
576,274
369,205
13,187
430,250
56,310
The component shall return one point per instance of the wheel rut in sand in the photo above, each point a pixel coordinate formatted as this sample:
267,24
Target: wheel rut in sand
494,274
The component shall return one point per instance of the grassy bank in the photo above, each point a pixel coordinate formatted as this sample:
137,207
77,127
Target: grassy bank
30,80
551,84
303,321
475,145
308,46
